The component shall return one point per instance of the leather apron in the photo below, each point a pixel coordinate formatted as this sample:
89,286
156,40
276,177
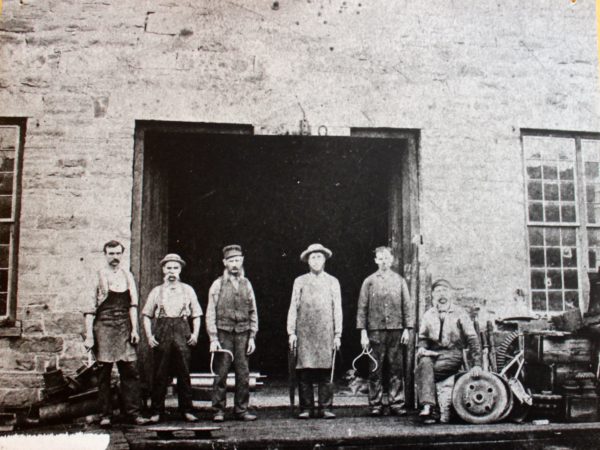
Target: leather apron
112,329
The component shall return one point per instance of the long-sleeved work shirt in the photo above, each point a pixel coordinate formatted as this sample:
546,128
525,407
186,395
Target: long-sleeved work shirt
384,303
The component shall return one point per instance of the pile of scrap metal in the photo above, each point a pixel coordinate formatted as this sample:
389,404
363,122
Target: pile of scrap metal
548,367
66,397
495,394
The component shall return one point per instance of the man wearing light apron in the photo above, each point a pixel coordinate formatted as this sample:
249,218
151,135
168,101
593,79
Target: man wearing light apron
112,332
314,326
172,304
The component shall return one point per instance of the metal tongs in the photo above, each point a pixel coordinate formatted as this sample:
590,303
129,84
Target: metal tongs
212,358
368,353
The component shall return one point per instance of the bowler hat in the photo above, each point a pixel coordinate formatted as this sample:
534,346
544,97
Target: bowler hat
172,257
232,250
312,248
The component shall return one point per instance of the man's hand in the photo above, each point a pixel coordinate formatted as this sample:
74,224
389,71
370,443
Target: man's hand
292,341
135,337
89,342
214,346
193,340
364,340
152,341
251,346
405,337
337,343
424,352
476,372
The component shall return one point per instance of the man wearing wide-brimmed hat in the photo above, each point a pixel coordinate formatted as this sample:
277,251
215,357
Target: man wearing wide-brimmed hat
172,304
445,330
232,324
314,326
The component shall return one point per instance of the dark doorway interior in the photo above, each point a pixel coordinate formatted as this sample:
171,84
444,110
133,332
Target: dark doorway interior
274,196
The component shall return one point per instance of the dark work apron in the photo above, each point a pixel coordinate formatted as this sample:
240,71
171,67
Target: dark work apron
112,329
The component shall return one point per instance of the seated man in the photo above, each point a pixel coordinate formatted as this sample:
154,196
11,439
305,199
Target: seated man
444,332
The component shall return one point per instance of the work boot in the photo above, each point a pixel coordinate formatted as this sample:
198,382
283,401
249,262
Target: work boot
139,420
189,417
155,418
398,411
328,414
376,411
304,415
246,417
426,411
219,417
105,422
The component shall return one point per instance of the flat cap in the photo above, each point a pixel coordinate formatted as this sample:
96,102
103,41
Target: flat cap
230,251
172,257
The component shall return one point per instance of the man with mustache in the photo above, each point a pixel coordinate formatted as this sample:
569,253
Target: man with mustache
232,324
446,329
112,331
314,326
384,318
172,303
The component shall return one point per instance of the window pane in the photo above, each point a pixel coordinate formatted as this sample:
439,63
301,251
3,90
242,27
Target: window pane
5,233
536,256
552,213
549,172
551,191
552,237
538,301
567,213
553,257
538,279
571,279
3,280
5,206
8,137
590,193
6,183
534,171
4,251
534,191
555,302
566,171
567,192
3,305
536,236
554,279
591,171
569,256
536,212
568,236
592,259
571,299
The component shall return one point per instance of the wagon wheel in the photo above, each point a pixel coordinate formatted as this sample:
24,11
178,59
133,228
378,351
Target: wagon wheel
507,349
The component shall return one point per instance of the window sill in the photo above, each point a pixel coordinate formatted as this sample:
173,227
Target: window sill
13,329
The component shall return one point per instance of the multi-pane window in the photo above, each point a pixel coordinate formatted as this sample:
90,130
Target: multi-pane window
10,148
563,212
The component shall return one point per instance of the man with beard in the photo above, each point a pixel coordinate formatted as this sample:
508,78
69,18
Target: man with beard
112,332
314,326
232,324
172,303
445,331
384,316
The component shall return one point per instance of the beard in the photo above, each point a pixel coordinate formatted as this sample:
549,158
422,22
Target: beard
171,277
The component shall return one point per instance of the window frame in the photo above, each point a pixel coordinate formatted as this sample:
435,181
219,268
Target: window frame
9,325
580,225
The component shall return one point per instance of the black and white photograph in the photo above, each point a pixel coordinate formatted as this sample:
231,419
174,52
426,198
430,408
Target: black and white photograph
299,224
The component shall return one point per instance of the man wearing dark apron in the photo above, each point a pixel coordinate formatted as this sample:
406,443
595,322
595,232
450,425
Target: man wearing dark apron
172,304
112,332
314,326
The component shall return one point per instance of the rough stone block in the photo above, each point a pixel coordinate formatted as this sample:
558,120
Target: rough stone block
44,344
62,222
18,398
64,323
21,380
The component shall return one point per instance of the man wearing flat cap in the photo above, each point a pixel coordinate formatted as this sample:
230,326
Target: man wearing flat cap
172,303
385,317
446,329
232,324
314,326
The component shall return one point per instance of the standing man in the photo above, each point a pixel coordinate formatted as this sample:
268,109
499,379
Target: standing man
232,324
172,304
446,329
112,331
385,318
314,326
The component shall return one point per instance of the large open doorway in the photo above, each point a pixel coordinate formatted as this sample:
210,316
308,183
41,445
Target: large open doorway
200,188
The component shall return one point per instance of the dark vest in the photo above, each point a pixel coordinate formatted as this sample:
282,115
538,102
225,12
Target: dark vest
233,306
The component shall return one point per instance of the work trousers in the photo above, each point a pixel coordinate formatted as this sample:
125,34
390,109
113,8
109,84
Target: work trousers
130,387
236,343
172,354
387,350
306,380
433,369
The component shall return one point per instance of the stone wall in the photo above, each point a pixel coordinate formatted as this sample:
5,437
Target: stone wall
468,76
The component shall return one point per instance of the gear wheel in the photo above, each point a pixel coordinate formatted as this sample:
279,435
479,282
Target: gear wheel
508,348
